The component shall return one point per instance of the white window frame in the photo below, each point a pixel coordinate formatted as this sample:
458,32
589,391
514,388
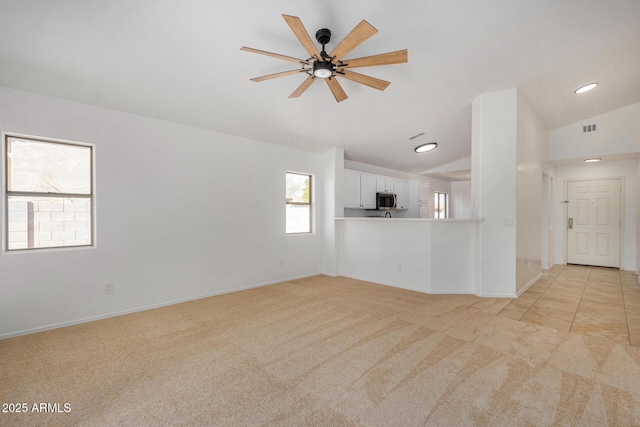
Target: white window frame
7,193
436,208
310,204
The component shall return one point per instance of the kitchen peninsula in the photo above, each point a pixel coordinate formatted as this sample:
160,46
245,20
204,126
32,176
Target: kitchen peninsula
437,256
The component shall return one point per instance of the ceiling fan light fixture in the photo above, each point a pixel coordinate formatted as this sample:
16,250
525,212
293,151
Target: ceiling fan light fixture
426,147
323,70
586,88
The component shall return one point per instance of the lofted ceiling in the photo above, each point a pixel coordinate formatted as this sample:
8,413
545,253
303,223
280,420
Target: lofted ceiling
181,61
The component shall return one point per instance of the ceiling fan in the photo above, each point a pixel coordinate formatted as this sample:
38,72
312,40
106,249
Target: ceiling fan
329,66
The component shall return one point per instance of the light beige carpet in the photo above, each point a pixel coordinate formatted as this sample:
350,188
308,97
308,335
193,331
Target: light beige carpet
320,351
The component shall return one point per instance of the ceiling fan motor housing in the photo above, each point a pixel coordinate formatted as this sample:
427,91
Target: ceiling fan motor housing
323,36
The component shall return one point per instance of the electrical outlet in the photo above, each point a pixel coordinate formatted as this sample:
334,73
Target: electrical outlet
399,267
108,288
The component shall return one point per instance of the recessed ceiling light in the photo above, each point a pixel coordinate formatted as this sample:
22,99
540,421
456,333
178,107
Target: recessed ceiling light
426,147
586,88
592,160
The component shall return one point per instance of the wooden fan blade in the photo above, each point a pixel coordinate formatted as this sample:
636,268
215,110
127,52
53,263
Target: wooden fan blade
365,80
359,34
336,89
397,57
275,55
304,86
303,36
275,75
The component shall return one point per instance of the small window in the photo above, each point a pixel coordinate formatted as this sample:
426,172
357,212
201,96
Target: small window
298,203
48,194
441,210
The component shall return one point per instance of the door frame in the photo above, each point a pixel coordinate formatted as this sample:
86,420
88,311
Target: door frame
547,238
565,216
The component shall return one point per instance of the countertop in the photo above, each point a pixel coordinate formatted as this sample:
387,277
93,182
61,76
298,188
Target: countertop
410,219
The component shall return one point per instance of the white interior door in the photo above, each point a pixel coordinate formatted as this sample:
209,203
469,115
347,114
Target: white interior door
593,222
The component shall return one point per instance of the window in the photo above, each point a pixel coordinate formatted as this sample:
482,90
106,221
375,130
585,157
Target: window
48,193
441,210
298,203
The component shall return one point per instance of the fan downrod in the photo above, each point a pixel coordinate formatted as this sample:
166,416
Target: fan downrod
323,68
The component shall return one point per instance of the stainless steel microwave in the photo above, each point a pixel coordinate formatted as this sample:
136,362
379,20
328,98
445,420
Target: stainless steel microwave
385,201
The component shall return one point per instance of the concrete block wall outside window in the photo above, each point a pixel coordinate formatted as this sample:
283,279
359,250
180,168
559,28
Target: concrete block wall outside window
43,224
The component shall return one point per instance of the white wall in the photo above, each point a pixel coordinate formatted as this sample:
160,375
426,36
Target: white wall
531,153
628,170
637,218
461,199
181,212
493,188
377,170
332,205
617,141
617,133
546,223
459,166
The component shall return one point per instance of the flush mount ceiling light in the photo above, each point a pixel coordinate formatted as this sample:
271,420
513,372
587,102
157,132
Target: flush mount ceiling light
425,147
586,88
592,160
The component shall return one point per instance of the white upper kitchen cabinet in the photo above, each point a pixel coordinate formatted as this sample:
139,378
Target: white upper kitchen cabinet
368,191
384,184
359,190
351,189
401,187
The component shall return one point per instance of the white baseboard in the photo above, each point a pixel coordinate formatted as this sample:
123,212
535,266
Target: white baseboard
145,308
529,284
409,288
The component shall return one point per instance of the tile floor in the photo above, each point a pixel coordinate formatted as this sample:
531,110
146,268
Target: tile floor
582,299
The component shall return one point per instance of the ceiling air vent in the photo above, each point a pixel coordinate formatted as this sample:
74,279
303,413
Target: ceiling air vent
589,128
